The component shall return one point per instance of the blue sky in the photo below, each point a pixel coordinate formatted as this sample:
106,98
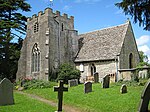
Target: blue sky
93,15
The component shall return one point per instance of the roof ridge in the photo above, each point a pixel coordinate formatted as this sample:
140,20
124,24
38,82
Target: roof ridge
126,23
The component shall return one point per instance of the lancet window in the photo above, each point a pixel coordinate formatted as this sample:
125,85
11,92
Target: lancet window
35,58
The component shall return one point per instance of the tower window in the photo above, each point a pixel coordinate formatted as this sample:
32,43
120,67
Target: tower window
93,69
35,59
62,27
36,27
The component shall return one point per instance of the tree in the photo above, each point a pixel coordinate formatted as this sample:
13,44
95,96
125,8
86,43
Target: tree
139,11
143,60
67,72
12,23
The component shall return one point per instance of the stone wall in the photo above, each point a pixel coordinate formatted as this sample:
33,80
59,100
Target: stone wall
129,46
127,74
56,40
102,68
22,62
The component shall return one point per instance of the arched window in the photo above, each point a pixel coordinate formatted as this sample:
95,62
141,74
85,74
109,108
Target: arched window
93,69
131,60
35,58
36,27
62,27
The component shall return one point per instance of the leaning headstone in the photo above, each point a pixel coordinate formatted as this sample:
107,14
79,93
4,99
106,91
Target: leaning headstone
123,89
145,98
106,81
6,92
73,82
87,87
96,77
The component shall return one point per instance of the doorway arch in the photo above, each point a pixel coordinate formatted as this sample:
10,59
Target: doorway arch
93,69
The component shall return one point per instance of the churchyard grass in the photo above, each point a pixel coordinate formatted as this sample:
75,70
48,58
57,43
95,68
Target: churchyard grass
26,104
100,100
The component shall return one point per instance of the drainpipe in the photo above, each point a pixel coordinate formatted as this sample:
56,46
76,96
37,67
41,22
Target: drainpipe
117,59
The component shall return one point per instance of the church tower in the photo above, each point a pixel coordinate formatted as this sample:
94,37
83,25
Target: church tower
50,41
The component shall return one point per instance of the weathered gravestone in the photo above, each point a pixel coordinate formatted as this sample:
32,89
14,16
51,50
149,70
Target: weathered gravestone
96,77
6,92
106,81
145,98
73,82
123,89
87,87
60,90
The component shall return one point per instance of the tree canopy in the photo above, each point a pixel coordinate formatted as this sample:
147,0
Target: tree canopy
143,60
12,23
67,72
139,11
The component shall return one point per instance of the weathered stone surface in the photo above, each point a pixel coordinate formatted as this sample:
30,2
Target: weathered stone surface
6,92
20,88
73,82
106,81
87,87
56,40
123,89
143,74
96,77
145,98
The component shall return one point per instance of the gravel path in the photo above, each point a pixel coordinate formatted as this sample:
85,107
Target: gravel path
66,108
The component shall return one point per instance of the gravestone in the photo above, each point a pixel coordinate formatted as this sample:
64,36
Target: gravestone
96,77
106,81
73,82
6,92
123,89
87,87
60,90
145,98
143,74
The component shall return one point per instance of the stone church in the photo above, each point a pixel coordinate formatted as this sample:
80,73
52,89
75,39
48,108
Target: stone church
52,40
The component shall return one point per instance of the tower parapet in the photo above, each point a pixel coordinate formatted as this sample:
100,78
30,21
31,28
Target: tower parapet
49,12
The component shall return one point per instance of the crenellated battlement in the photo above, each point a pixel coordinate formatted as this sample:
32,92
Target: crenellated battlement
49,12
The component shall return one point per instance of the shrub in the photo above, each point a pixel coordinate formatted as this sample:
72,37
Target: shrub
34,84
67,72
131,83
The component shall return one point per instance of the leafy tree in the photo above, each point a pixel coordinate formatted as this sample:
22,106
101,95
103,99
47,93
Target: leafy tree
67,72
138,9
12,23
143,60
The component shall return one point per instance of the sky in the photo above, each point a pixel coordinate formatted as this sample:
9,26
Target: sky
92,15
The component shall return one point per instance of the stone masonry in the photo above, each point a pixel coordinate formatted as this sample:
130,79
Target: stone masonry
56,39
51,40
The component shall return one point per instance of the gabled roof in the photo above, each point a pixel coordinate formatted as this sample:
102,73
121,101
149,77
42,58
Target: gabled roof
102,44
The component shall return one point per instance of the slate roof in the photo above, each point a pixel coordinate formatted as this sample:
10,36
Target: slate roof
102,44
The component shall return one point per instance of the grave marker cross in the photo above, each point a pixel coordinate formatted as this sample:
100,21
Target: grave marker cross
60,90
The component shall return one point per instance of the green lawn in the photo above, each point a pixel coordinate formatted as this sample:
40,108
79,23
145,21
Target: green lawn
100,100
26,104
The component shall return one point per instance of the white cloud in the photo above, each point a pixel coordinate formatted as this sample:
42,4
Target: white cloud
66,7
143,40
146,50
